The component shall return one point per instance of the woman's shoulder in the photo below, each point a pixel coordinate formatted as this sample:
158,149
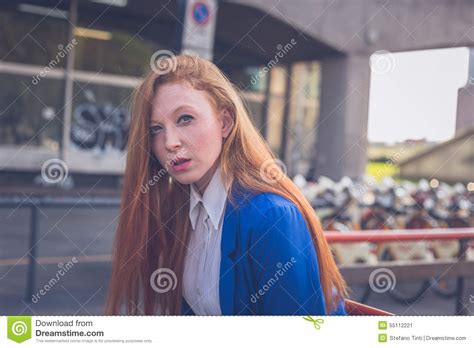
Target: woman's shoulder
267,211
264,201
261,211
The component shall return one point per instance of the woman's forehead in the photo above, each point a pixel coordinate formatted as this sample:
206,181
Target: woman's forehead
171,97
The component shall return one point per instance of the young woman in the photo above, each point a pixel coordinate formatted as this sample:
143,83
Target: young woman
209,224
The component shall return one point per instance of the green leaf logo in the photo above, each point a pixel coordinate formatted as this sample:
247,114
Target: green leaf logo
316,322
19,328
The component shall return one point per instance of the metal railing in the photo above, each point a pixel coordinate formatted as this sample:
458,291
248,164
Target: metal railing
36,203
459,267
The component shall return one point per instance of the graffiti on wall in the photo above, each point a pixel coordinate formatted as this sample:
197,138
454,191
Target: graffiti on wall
99,126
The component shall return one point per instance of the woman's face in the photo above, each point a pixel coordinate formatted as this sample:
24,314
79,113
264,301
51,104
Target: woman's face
187,132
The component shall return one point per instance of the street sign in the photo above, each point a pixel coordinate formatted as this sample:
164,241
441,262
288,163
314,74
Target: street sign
199,28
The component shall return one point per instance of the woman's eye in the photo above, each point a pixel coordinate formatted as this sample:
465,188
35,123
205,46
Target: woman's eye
185,118
154,129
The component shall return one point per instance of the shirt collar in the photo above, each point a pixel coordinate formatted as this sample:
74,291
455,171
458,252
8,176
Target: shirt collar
213,200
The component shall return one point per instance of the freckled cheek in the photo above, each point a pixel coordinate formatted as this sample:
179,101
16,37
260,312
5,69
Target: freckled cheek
206,143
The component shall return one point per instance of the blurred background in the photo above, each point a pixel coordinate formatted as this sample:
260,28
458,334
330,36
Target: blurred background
368,105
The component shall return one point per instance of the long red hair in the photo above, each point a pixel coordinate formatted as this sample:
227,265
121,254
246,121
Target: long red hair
154,227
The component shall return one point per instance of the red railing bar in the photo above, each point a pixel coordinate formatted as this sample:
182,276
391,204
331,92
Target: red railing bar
399,235
356,308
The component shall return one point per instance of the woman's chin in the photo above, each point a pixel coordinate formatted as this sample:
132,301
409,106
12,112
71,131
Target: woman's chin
184,178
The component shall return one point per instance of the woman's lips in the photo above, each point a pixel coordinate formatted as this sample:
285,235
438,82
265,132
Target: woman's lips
182,165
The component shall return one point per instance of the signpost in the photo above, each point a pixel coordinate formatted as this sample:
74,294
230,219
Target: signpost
199,27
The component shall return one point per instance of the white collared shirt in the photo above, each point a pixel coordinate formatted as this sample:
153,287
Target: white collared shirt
203,256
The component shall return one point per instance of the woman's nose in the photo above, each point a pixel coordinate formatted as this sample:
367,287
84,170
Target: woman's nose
172,141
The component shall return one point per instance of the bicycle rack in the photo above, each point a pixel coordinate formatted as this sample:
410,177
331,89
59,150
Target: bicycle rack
459,268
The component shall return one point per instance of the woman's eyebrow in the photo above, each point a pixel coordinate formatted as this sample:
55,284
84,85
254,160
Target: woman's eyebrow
181,107
174,112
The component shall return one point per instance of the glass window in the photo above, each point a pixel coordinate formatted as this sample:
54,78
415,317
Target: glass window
276,108
31,113
255,110
114,51
99,128
304,113
35,39
251,79
100,117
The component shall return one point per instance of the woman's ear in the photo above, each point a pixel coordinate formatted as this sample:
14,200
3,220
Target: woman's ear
227,123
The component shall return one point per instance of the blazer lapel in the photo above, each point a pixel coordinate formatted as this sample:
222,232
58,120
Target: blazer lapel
230,234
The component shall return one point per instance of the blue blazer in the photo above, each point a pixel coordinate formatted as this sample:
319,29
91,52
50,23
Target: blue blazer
268,260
